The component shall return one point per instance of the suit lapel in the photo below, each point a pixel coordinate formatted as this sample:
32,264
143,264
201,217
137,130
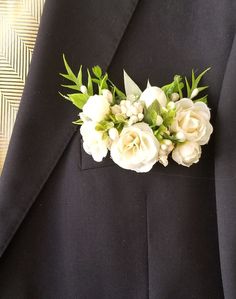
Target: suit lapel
225,175
88,32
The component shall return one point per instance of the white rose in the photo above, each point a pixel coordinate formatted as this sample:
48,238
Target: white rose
193,120
93,143
96,107
152,93
187,153
136,148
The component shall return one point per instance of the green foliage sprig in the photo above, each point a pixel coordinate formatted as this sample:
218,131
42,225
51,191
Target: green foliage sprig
159,118
98,78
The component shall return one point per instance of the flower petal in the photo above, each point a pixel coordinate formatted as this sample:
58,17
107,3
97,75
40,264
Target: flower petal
131,88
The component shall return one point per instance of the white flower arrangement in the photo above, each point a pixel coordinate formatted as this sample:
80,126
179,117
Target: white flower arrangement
140,128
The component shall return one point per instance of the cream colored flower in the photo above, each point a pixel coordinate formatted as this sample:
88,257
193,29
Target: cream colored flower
96,107
136,148
93,143
193,120
152,93
187,153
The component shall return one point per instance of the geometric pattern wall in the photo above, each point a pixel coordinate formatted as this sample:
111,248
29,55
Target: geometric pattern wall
19,23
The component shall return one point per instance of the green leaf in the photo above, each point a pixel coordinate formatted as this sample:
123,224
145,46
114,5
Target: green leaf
170,137
150,113
175,86
104,125
112,117
103,84
116,90
79,77
99,127
97,81
71,75
90,84
193,80
104,136
65,97
131,88
120,126
120,118
65,76
200,77
78,122
155,106
202,88
119,93
160,132
97,71
109,125
188,88
75,87
153,117
180,86
78,99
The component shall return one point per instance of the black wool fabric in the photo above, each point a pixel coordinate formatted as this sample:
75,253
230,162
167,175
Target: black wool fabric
71,227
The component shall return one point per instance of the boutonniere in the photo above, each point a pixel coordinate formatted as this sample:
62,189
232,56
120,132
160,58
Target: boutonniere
140,128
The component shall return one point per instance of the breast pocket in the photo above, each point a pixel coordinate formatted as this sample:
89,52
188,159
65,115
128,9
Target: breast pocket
203,169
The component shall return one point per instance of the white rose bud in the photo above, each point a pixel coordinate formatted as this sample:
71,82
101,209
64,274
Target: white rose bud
187,153
171,105
150,94
164,147
159,120
194,93
174,97
180,136
168,142
83,89
96,107
140,116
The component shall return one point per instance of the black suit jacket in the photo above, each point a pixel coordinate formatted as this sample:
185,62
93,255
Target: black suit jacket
74,228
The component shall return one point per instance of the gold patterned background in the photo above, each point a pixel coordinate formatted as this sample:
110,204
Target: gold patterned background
19,22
